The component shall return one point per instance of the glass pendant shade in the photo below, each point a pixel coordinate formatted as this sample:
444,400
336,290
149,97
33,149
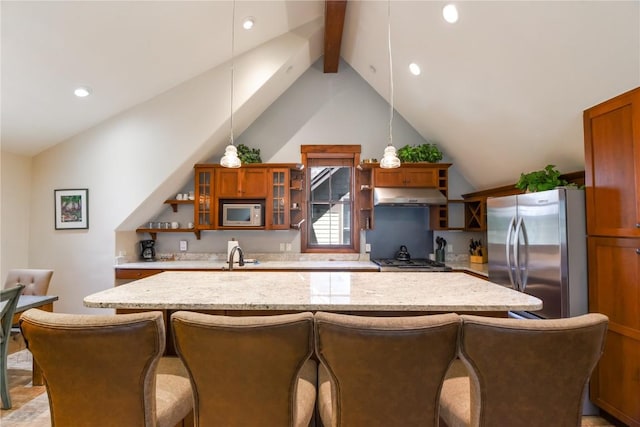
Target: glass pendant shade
390,160
230,158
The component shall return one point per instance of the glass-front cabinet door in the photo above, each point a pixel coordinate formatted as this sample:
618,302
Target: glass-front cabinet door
204,209
278,201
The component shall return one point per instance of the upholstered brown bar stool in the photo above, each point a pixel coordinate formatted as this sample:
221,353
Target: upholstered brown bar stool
249,371
101,370
35,281
522,372
382,371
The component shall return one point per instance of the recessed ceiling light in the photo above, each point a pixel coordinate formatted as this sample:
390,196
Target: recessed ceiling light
248,22
450,13
415,69
82,91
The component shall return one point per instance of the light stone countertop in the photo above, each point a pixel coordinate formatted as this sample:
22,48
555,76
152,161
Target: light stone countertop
313,291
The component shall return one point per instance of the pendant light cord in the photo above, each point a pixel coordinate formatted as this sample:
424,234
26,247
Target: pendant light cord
233,34
390,73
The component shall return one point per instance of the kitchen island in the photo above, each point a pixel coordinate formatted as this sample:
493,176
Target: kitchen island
230,292
246,293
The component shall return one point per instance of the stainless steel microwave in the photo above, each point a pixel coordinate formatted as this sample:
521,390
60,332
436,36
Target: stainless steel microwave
241,215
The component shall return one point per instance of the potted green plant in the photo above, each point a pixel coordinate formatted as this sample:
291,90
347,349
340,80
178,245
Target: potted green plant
541,180
420,153
248,155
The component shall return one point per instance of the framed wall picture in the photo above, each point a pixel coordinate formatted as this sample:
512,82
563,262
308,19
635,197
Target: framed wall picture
72,209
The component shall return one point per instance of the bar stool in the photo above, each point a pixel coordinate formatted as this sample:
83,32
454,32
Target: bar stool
101,370
522,372
382,371
249,371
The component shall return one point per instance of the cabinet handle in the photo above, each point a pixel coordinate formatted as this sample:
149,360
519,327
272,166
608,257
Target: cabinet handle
638,251
638,225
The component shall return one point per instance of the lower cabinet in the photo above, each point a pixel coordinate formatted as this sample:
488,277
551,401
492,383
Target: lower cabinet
614,290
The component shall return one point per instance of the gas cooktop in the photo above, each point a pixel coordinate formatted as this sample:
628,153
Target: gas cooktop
419,264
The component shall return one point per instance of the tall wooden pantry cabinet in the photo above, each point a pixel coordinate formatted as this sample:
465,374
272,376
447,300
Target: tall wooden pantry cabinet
612,178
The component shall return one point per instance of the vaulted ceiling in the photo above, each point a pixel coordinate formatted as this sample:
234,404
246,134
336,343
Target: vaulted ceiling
501,91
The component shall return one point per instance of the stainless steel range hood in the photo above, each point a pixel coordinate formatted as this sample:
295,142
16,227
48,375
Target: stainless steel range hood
408,197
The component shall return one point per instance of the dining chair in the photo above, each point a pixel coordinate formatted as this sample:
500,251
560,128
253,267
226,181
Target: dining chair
35,281
382,371
248,371
101,370
522,371
8,301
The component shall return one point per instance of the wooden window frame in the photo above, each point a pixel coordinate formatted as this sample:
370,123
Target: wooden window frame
345,152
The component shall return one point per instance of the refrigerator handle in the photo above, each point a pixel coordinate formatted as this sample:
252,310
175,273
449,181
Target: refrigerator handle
521,267
507,246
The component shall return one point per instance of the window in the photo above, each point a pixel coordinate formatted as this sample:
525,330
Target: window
330,225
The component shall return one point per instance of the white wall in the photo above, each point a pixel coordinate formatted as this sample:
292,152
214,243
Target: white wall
15,195
318,108
132,162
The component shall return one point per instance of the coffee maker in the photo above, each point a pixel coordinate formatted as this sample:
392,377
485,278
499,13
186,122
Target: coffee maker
147,250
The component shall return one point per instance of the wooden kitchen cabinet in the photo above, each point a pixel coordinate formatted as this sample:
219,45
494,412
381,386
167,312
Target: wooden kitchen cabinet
277,209
612,166
264,183
614,290
408,175
240,183
205,210
612,179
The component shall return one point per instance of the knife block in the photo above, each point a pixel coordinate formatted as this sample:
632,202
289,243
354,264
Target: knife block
478,259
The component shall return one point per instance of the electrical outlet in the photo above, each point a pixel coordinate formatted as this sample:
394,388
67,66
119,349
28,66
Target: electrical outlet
183,245
288,247
367,247
450,248
281,247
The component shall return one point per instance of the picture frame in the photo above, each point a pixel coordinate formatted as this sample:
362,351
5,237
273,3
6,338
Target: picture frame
71,209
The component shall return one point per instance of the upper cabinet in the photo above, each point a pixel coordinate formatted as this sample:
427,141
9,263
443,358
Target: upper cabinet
245,182
417,175
265,183
204,207
277,209
408,176
612,172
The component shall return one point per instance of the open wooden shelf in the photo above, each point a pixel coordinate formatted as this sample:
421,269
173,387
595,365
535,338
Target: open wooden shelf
153,231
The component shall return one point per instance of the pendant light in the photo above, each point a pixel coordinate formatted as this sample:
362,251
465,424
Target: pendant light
230,158
390,159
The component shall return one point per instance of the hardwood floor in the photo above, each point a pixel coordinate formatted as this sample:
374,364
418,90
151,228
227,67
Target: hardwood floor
30,407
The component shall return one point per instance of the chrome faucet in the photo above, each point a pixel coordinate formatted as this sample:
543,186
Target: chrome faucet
232,254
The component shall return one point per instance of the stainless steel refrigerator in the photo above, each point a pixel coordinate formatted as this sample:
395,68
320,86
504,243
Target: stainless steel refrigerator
537,245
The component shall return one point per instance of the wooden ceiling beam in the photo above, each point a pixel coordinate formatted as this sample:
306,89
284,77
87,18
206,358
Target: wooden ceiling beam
333,26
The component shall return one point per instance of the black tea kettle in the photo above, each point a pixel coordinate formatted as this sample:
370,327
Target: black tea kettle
403,254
